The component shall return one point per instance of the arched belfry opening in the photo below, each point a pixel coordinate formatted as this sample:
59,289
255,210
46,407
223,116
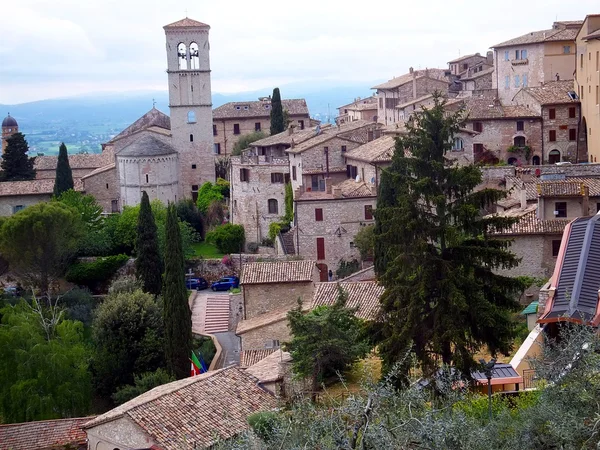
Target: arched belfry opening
194,56
182,56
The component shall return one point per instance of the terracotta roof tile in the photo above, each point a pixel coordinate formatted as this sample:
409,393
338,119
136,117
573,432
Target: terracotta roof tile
33,187
560,188
196,411
330,133
153,118
348,189
187,22
278,272
529,223
479,74
45,434
91,161
552,93
460,58
259,108
438,74
363,295
271,367
484,108
263,320
536,37
99,170
285,138
252,356
378,150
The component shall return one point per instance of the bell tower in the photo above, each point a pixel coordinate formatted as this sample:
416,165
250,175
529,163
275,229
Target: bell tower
9,127
190,102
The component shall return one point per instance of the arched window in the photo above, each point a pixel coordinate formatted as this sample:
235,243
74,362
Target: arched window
191,138
512,161
535,160
519,141
182,56
554,157
191,117
194,58
273,206
458,145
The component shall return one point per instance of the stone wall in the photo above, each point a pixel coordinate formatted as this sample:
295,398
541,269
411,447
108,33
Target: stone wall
104,186
342,219
263,336
226,138
122,432
263,298
210,269
250,199
533,67
535,252
497,172
236,310
9,202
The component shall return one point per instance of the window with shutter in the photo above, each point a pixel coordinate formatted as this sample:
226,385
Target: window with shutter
319,214
320,248
368,212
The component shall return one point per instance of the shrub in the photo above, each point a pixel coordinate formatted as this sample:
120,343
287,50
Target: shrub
268,242
223,186
91,273
263,424
79,305
274,230
142,383
252,247
125,284
347,268
228,238
206,195
244,142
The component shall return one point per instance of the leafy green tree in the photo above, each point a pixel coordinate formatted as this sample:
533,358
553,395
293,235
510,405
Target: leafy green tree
16,165
365,241
433,254
64,175
177,314
244,142
277,119
44,371
187,211
148,263
128,336
228,238
326,340
142,383
86,205
40,241
224,186
289,203
207,194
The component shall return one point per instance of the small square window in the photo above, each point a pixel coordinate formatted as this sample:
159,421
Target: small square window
555,247
214,130
572,134
566,49
520,125
217,148
193,166
257,126
368,212
106,185
236,128
560,209
318,214
478,126
18,208
552,113
343,148
244,175
194,187
572,113
552,135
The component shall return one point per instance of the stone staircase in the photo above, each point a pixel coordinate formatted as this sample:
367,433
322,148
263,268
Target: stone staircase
287,242
216,319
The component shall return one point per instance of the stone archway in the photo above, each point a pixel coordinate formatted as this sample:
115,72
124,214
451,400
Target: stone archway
553,156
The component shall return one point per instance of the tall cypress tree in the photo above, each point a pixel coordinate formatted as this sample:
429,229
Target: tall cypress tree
277,119
64,175
443,300
177,315
16,165
148,264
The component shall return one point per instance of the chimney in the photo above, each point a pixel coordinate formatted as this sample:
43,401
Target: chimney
328,185
411,70
374,189
523,197
490,58
292,143
585,201
336,191
291,130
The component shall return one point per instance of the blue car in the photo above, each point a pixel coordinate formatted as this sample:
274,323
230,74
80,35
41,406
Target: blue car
196,283
225,283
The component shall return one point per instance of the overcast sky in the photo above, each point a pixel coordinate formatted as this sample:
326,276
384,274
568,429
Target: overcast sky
61,48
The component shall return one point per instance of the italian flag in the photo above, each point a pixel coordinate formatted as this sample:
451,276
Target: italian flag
195,368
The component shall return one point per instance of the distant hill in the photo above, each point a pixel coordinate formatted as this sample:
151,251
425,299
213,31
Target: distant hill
84,122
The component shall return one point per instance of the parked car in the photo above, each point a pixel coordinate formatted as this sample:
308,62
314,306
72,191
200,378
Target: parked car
225,283
196,283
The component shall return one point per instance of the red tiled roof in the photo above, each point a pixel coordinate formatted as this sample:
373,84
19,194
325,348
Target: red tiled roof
565,188
536,37
187,22
271,367
153,118
278,272
45,434
195,412
252,356
259,108
437,74
90,161
529,223
380,150
552,93
363,295
33,187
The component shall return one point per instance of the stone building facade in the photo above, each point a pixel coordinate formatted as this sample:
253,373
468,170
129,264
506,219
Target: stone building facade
559,108
410,86
103,184
587,83
359,109
535,58
233,120
258,193
327,222
17,195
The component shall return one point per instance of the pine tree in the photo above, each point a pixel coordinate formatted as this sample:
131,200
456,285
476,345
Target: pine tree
64,176
148,263
16,165
177,315
434,255
277,120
